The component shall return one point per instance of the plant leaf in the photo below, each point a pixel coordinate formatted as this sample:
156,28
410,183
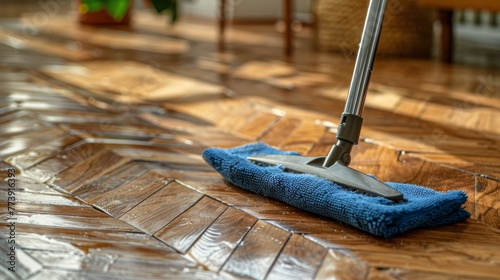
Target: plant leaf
92,6
162,5
117,8
173,12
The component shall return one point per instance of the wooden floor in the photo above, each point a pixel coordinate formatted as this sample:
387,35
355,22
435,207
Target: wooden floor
103,130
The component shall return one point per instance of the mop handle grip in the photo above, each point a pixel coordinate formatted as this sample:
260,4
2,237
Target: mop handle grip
365,58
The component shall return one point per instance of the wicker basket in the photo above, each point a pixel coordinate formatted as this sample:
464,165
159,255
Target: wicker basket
407,28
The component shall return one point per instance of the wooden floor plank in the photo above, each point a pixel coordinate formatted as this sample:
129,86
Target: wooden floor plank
84,238
411,107
48,274
23,265
134,81
88,170
125,129
254,257
42,152
43,199
70,156
184,230
340,265
72,222
238,118
120,200
487,201
258,125
479,164
127,251
304,137
107,256
32,241
94,190
324,143
44,46
218,112
392,274
410,261
280,131
84,246
408,251
161,208
19,126
429,137
163,160
217,243
316,227
300,259
27,185
66,260
56,209
12,146
179,160
258,70
113,38
65,274
212,184
157,269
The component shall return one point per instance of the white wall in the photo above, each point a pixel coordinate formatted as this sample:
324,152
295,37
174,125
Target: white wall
243,9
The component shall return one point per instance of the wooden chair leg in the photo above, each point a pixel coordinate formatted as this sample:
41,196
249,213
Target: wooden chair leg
287,18
446,19
222,25
493,19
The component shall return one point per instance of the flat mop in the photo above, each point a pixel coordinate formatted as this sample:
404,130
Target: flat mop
326,185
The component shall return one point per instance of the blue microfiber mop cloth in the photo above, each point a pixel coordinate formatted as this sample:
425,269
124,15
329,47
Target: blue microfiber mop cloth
376,215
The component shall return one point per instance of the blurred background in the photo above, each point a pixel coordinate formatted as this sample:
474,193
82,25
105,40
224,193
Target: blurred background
410,29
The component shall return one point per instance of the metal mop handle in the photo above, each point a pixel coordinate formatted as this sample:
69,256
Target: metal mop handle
334,166
366,56
351,121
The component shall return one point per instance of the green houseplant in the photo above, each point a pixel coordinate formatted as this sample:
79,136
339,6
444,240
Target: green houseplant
119,10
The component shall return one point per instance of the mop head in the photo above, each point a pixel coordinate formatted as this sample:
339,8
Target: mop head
376,215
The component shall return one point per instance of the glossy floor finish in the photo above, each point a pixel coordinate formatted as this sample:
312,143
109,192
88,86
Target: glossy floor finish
105,129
